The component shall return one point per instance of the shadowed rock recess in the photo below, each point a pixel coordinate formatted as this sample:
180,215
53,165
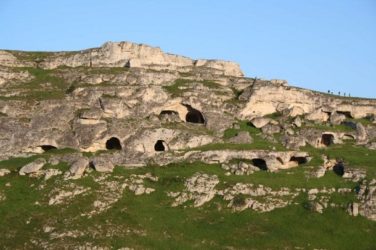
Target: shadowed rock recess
133,107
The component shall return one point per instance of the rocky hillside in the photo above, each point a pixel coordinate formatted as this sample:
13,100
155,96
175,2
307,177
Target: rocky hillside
92,138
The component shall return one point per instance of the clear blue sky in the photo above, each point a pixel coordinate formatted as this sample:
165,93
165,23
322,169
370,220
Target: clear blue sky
316,44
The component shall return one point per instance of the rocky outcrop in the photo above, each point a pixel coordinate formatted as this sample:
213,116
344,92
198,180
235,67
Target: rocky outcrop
268,98
366,204
126,54
200,188
265,160
242,137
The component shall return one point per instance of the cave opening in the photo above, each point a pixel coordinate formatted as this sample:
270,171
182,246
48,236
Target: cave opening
260,163
299,159
345,113
339,169
160,146
327,139
194,116
46,148
113,143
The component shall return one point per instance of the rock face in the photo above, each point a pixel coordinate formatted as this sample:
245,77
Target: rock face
200,188
126,54
268,98
367,201
132,105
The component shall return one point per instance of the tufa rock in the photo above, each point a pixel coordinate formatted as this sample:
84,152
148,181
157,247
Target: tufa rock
33,167
78,168
102,165
243,137
4,172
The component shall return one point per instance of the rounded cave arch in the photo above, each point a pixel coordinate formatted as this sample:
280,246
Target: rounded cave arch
113,143
327,139
194,115
339,168
299,160
260,163
47,147
160,146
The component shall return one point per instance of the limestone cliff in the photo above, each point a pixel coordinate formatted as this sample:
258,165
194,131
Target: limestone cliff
132,105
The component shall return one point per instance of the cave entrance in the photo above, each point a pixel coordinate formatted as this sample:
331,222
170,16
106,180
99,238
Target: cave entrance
327,139
46,148
194,116
339,169
113,143
160,146
260,163
299,159
345,113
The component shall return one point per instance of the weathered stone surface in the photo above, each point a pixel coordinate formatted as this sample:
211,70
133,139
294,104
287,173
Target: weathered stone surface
355,175
298,122
268,98
240,168
102,165
361,134
126,54
260,122
4,171
243,137
317,115
33,167
271,129
200,188
320,172
78,168
367,201
336,118
293,142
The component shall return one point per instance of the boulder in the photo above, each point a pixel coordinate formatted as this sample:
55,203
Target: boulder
317,115
4,171
297,122
271,129
336,118
355,175
260,122
371,145
78,168
319,172
361,134
293,142
295,111
353,209
33,167
103,165
367,200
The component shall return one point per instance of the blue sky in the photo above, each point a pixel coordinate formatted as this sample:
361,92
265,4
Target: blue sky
316,44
